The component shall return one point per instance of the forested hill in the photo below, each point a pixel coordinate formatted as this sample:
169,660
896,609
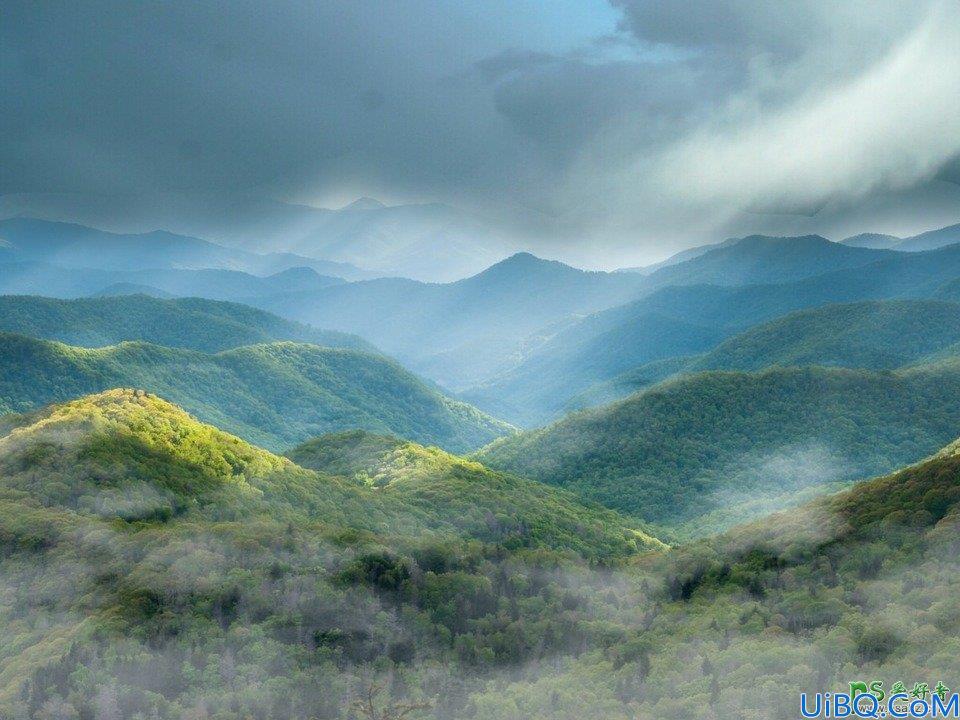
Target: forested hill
596,348
431,480
275,394
216,555
194,323
878,334
212,553
684,449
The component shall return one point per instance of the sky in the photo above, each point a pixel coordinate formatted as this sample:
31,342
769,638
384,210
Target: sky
602,132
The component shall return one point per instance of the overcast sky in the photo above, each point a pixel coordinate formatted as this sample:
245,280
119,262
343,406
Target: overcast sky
628,127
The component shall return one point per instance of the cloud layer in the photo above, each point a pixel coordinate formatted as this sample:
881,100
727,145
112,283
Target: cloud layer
640,125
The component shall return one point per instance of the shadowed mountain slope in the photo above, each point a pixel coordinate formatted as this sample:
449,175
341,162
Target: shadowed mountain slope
274,394
192,323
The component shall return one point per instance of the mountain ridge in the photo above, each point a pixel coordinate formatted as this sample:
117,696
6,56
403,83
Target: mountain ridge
274,394
193,323
677,450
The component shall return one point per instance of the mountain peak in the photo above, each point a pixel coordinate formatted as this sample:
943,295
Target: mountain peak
521,265
365,203
522,257
137,430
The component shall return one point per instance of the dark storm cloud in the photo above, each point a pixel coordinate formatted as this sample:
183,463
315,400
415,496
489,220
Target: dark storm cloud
226,97
545,115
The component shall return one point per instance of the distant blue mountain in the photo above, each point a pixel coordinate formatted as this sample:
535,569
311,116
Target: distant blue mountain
77,246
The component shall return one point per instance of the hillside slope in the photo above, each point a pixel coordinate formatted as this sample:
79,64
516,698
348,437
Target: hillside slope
621,331
206,571
860,586
709,441
877,334
460,333
577,358
273,394
760,259
931,240
874,335
429,478
151,547
192,323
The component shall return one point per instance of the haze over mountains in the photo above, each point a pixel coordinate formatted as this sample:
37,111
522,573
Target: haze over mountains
929,240
590,351
283,492
431,241
583,360
76,246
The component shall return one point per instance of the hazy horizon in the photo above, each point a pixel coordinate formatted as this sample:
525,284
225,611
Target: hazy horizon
602,134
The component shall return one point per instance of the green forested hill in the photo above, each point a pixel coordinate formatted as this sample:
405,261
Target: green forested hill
702,315
685,448
861,586
540,389
151,563
273,394
155,567
194,323
877,334
429,479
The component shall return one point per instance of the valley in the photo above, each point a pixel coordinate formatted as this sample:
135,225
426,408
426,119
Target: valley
229,494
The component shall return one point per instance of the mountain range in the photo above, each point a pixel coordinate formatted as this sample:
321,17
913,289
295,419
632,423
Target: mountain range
160,564
276,394
600,348
457,333
428,241
68,245
930,240
191,323
682,450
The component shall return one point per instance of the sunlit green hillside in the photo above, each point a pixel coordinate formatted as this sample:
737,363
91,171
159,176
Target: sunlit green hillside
141,543
275,394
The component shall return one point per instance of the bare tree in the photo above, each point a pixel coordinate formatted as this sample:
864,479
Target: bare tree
367,706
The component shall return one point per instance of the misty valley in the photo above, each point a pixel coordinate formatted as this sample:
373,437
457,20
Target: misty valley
520,360
693,490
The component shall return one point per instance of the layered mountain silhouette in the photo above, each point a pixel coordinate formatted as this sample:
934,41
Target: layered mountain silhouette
681,450
70,245
457,333
192,323
595,349
275,394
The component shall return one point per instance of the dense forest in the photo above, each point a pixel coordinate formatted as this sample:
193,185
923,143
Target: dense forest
878,334
276,394
233,583
680,450
192,323
270,522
